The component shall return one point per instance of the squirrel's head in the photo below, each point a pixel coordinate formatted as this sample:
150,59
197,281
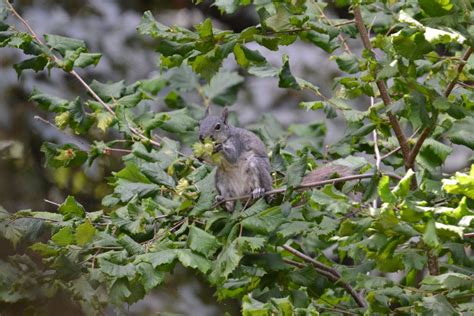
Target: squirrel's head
214,127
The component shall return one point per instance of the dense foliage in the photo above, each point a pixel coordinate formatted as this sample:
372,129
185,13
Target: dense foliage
396,242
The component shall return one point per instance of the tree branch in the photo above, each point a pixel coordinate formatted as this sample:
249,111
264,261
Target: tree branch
427,131
383,89
310,185
334,274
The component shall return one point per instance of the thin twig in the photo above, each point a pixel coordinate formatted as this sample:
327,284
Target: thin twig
383,89
51,202
335,275
378,159
340,36
77,76
309,186
427,131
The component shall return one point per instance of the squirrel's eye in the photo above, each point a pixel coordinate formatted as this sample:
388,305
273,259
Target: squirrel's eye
217,127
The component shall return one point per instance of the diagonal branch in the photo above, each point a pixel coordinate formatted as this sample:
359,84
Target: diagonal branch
383,89
330,272
427,131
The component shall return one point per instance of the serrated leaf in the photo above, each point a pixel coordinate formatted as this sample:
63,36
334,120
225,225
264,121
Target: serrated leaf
84,233
149,26
436,7
403,187
192,260
36,63
296,171
159,258
71,208
108,91
48,102
223,87
117,270
384,191
63,44
202,242
462,132
63,237
87,59
433,153
287,80
430,237
149,277
411,46
348,63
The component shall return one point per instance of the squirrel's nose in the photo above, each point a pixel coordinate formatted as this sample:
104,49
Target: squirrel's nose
201,138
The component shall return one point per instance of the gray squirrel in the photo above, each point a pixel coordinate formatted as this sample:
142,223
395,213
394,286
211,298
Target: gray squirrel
244,168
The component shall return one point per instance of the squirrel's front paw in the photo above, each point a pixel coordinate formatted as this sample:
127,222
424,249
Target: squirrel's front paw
217,147
258,193
218,198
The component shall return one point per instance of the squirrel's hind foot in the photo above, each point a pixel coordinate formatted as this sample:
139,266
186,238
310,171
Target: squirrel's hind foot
258,193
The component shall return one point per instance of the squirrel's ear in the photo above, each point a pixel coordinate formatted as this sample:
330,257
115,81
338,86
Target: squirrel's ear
208,109
225,114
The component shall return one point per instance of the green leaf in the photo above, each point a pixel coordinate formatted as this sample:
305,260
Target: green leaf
36,63
154,172
283,305
430,237
192,260
116,270
63,237
433,153
132,100
159,258
149,277
461,132
84,233
447,281
202,242
44,250
411,46
227,260
47,102
70,208
207,194
87,59
108,91
403,187
223,87
182,78
348,63
461,183
384,191
279,21
287,80
436,7
63,44
180,121
149,26
132,247
296,171
438,305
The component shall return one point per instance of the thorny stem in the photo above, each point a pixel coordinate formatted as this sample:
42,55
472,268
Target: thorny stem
332,274
383,89
77,76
